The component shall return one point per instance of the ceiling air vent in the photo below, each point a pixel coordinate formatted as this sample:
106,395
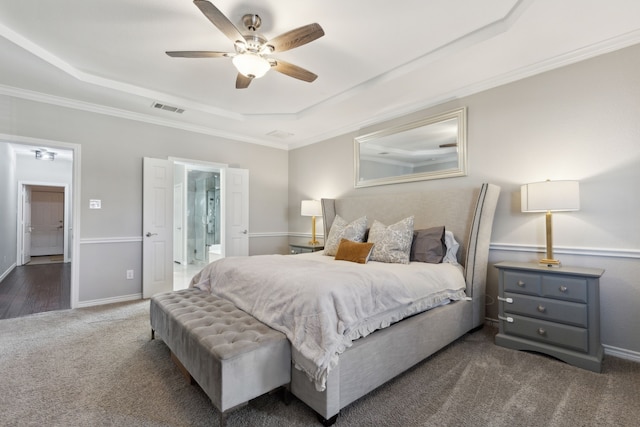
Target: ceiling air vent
280,134
168,108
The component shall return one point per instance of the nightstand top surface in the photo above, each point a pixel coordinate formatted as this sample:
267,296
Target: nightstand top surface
306,246
532,266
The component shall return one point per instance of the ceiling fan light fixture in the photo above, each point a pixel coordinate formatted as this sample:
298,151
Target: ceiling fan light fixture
252,56
251,65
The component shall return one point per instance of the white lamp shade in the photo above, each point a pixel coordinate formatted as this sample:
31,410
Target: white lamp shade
251,65
311,208
550,196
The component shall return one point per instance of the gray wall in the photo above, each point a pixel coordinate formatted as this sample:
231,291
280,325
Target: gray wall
578,122
112,150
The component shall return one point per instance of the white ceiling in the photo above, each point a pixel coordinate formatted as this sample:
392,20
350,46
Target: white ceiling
379,59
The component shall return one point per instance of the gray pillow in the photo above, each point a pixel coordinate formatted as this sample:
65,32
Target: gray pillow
392,243
341,229
428,245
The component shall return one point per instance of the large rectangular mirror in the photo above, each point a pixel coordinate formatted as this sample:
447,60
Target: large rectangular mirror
430,148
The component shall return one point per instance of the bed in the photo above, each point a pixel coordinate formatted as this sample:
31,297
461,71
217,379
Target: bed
333,369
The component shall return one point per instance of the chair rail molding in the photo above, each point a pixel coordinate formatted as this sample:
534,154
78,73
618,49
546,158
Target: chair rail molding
580,251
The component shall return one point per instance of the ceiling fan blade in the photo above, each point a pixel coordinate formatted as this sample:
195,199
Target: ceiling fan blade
218,19
297,37
242,81
196,54
294,71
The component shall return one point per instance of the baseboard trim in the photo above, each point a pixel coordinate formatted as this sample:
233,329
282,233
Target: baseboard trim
493,323
111,300
8,271
622,353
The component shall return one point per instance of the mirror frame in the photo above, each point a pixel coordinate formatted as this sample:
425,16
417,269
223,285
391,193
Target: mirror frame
461,170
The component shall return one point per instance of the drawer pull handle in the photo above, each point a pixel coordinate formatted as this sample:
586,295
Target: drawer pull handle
507,300
542,308
506,319
520,283
542,331
563,288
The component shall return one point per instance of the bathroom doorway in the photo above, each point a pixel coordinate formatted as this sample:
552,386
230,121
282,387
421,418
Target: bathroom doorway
197,219
203,216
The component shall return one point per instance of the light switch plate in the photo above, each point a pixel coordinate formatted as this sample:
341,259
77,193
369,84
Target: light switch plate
95,204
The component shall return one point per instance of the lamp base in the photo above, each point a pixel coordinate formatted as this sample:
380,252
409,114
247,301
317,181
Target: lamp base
550,262
313,241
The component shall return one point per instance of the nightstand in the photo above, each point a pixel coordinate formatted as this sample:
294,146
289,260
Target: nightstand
303,249
551,310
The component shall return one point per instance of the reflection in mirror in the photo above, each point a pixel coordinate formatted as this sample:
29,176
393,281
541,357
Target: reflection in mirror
431,148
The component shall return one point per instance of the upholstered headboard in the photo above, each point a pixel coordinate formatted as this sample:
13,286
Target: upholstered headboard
467,212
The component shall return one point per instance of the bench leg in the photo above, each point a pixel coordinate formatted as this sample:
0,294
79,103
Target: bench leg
223,415
328,422
153,334
185,373
286,394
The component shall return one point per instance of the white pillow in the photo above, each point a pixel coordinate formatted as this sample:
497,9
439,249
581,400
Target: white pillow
392,243
452,248
341,229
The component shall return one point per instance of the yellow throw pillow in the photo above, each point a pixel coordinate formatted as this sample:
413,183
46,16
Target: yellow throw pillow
354,251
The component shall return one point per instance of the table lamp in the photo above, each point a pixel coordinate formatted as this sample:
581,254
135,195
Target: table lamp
311,208
550,196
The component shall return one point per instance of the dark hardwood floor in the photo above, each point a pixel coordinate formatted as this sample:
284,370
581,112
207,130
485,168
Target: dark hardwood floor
32,289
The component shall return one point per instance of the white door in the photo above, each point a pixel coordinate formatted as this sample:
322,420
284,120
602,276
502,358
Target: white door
235,225
178,224
26,225
47,222
157,227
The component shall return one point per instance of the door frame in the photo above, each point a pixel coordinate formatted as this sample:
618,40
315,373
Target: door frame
74,202
146,290
204,166
21,229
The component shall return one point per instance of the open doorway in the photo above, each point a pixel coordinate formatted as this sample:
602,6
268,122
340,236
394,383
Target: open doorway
42,277
43,224
197,219
160,272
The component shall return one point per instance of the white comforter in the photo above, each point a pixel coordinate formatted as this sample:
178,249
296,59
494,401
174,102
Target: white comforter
322,305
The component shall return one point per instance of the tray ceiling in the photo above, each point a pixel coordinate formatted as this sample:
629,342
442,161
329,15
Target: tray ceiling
377,60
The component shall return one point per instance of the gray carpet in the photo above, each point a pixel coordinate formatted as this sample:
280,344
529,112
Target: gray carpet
98,367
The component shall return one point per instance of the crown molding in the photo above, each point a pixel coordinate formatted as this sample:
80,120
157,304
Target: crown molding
559,61
44,98
569,58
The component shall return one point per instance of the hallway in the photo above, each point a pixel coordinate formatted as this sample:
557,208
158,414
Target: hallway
30,289
36,287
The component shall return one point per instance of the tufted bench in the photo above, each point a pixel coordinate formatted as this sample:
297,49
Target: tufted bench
230,354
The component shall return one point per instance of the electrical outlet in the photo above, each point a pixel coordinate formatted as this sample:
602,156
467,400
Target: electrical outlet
129,274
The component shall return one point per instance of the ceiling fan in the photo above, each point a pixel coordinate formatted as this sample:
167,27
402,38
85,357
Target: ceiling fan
252,51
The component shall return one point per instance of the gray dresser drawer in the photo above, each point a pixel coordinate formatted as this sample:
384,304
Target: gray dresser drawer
551,333
547,309
566,288
524,283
